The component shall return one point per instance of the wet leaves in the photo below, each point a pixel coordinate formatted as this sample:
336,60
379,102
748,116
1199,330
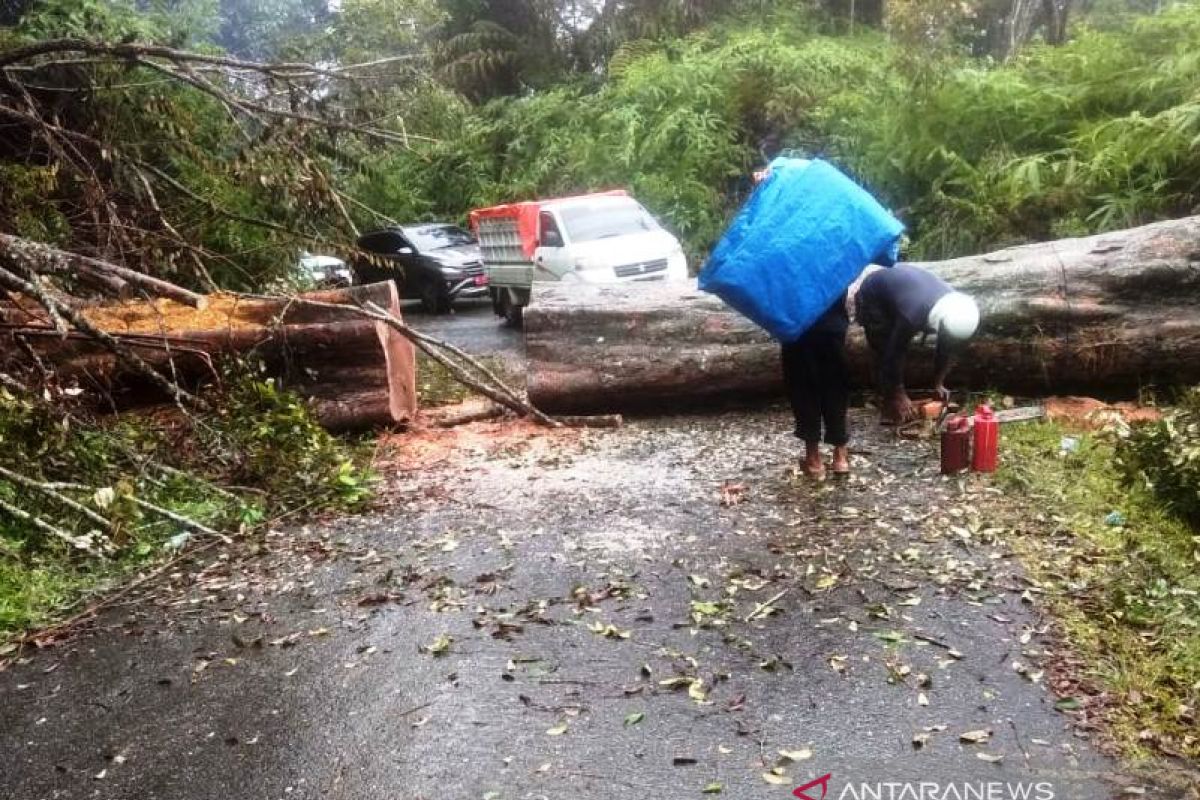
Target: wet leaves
776,777
788,756
557,730
975,737
1068,704
634,718
438,647
608,631
712,788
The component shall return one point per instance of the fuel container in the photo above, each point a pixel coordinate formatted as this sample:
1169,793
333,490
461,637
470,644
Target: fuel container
956,445
987,440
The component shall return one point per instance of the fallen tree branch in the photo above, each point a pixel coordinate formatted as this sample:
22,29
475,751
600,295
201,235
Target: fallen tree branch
121,351
764,608
41,258
478,415
180,519
450,348
55,495
497,391
78,542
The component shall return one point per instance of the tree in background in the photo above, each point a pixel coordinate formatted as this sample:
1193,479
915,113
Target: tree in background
856,12
258,29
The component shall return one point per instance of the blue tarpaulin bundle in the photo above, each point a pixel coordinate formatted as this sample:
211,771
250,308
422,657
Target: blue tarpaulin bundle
806,233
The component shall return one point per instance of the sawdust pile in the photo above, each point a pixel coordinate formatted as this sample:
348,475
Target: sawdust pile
223,311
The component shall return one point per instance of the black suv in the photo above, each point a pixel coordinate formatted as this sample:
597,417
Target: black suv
436,263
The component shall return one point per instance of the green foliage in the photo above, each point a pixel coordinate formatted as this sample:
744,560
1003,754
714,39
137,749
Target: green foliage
1097,134
1164,457
266,437
676,123
1124,585
261,455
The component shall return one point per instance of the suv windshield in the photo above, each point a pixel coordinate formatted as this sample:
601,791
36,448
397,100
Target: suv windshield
586,223
435,237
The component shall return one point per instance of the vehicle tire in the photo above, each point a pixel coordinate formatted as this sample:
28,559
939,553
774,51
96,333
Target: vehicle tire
514,315
434,300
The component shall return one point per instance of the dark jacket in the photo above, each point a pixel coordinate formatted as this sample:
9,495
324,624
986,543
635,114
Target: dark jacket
893,306
902,291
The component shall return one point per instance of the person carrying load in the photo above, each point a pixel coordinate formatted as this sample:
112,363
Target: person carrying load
786,262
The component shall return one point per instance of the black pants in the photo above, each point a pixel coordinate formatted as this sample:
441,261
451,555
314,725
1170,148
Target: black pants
818,385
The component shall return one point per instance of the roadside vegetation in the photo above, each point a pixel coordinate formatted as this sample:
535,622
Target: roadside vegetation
106,497
1103,529
1092,135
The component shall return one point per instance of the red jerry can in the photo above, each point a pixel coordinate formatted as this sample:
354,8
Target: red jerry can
987,440
956,445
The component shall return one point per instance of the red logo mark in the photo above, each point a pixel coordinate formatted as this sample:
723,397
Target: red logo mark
822,781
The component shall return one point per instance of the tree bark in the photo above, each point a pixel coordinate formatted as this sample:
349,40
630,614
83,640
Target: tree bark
1104,315
355,372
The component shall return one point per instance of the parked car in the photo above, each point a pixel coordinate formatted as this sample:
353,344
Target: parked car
324,271
435,263
597,238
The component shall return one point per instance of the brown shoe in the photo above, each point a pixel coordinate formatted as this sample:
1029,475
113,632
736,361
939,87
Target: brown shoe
814,467
841,462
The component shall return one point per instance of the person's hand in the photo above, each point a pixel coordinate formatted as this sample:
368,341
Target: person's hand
898,409
761,175
942,393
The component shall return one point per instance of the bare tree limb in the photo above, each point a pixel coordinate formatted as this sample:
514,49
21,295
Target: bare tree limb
121,351
78,542
54,494
179,519
37,257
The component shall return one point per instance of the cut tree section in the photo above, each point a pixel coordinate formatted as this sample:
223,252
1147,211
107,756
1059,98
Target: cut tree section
1103,315
354,372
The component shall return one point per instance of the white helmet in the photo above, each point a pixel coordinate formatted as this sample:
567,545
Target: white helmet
956,315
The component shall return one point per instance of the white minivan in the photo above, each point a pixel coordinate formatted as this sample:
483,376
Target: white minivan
597,238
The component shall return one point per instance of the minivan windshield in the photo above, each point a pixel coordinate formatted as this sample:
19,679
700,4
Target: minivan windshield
435,237
587,223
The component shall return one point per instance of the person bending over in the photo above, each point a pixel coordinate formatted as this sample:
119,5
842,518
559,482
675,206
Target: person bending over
894,305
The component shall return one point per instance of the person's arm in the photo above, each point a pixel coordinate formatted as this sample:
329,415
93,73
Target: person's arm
898,407
891,360
943,362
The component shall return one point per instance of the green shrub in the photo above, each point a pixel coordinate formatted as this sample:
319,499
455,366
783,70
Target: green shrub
265,437
260,455
1164,456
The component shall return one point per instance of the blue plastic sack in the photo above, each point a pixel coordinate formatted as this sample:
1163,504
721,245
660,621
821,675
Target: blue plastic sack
803,237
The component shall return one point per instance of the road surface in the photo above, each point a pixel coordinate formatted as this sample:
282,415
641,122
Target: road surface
664,610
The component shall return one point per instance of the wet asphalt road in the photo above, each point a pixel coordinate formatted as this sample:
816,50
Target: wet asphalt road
574,616
471,326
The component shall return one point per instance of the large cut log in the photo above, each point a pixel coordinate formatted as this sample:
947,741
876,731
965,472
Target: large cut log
354,372
1103,315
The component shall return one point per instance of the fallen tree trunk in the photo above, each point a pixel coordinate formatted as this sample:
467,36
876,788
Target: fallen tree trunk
1104,315
354,372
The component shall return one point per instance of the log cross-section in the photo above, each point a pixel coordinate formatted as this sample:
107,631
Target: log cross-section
355,372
